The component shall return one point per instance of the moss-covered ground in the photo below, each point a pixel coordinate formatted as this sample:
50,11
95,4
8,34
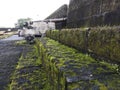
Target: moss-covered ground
9,55
68,69
49,65
29,74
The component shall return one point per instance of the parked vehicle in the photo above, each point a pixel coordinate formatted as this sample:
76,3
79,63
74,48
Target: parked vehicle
29,33
29,30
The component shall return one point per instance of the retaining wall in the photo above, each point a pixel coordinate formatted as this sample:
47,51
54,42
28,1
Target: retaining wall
101,41
67,69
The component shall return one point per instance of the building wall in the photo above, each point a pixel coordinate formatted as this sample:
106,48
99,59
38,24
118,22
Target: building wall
93,13
43,26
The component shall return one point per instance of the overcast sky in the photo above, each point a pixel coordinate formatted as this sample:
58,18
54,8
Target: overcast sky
12,10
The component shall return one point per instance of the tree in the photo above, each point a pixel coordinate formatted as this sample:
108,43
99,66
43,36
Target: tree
20,23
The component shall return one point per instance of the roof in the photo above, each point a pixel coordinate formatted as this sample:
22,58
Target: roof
56,19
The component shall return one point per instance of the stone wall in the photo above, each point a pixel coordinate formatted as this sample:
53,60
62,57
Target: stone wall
93,13
68,69
99,42
59,13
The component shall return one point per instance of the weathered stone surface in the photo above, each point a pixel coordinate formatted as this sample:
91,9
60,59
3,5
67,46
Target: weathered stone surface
68,69
93,13
99,42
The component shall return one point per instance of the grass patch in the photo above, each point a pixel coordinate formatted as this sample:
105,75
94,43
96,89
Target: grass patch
29,75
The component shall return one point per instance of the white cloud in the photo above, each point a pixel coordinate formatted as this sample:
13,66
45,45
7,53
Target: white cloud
12,10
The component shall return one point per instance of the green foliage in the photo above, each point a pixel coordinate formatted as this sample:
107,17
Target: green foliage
102,41
21,21
21,42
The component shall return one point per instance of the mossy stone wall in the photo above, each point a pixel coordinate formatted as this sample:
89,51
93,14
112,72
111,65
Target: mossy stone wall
102,41
67,69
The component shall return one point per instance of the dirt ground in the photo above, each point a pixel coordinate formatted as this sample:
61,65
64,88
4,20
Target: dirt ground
9,56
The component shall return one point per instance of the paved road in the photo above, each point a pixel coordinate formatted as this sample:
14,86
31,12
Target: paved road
12,38
9,56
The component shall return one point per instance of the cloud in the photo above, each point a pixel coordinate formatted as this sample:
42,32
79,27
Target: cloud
12,10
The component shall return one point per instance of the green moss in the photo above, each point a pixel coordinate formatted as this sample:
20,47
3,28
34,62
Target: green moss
29,73
103,41
48,65
21,42
62,61
73,86
101,86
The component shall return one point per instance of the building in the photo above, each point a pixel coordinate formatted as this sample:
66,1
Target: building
42,26
59,17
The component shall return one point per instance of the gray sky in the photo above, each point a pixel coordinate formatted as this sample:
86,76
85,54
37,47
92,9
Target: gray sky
12,10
